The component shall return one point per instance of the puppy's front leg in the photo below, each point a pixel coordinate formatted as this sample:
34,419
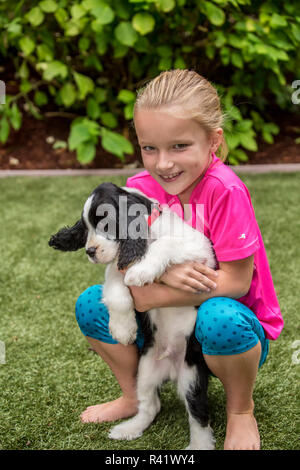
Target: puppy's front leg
160,254
117,298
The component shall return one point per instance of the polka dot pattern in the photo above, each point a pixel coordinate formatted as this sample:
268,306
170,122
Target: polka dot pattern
93,318
224,326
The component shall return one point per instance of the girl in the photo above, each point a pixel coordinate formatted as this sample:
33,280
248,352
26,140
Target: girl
178,121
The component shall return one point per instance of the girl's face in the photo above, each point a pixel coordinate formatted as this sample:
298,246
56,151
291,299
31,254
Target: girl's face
175,151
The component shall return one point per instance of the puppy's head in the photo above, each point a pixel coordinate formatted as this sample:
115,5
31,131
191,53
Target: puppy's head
114,229
109,227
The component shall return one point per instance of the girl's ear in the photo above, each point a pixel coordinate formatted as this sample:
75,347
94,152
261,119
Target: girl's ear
216,139
70,238
130,251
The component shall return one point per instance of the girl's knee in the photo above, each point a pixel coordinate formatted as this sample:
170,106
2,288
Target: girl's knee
89,310
222,327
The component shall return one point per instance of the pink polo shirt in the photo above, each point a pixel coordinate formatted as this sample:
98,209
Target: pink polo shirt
221,208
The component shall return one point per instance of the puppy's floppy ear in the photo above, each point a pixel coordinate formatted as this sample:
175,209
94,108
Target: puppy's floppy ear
134,246
70,238
131,250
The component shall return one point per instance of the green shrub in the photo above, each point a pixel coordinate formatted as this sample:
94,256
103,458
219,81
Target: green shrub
88,57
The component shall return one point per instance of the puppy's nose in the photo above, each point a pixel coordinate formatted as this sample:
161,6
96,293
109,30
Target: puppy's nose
91,251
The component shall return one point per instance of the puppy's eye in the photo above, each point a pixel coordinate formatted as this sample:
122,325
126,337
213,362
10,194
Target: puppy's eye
107,227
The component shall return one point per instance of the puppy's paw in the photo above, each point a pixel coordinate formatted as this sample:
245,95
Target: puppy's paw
123,330
202,440
139,274
125,431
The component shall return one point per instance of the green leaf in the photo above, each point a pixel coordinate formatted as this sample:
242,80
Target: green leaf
72,29
116,143
25,86
248,142
93,108
45,53
77,11
4,130
236,59
109,120
55,69
126,96
164,51
244,126
165,5
225,55
15,117
40,98
27,45
84,44
93,61
125,33
233,140
296,32
68,94
60,144
165,63
23,71
85,84
82,130
215,15
143,22
240,155
100,94
61,16
277,21
104,14
180,63
48,6
86,152
232,160
128,111
267,137
35,16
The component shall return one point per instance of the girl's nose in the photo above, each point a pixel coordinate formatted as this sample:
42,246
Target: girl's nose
164,163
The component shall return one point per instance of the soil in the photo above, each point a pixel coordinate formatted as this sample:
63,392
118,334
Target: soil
32,146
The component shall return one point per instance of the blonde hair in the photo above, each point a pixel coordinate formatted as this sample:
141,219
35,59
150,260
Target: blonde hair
188,95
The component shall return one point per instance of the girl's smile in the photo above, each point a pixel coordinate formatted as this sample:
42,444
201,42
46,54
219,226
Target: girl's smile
175,151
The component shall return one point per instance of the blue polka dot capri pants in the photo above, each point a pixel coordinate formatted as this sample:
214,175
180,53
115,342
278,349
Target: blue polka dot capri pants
224,326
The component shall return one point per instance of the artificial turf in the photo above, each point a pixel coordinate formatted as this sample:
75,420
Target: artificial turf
50,376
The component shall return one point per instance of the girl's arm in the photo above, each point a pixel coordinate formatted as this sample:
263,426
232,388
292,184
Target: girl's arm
233,280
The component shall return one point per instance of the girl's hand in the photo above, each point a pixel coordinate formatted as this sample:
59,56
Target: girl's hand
190,277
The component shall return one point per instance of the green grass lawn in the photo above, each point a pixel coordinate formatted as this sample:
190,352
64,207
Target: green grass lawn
50,376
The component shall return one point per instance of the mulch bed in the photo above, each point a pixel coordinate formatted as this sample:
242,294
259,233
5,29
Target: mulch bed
32,146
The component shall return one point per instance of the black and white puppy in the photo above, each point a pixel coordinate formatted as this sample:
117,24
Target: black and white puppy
121,227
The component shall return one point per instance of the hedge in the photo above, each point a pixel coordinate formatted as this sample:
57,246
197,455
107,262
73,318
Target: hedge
87,58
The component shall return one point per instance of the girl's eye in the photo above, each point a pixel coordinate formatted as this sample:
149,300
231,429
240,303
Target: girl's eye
180,146
148,148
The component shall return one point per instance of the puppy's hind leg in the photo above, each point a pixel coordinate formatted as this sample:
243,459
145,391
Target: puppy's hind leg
149,379
192,387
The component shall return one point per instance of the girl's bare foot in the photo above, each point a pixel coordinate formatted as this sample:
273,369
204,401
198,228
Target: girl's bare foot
111,411
242,432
